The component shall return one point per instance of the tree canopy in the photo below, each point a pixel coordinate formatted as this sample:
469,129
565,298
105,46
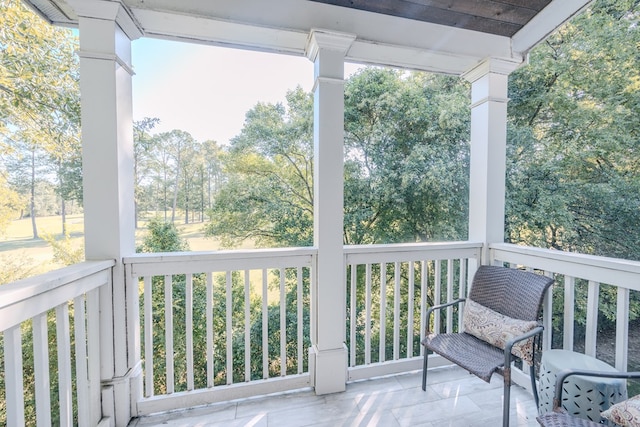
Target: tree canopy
573,143
406,164
39,105
407,157
267,195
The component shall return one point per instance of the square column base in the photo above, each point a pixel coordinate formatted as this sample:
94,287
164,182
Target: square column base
328,369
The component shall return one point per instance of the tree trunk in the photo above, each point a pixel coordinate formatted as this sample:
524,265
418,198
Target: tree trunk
63,206
209,189
32,204
201,195
63,213
164,208
175,191
186,201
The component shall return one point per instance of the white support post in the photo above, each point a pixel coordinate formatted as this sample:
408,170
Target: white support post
106,31
328,353
489,100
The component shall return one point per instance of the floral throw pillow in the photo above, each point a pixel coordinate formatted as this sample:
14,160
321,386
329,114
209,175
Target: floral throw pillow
625,414
497,329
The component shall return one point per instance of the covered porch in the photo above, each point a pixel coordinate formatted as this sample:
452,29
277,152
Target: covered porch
108,298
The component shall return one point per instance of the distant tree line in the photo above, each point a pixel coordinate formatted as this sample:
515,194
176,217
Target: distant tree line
572,181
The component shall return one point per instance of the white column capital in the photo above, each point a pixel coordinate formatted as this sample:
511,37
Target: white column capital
109,10
492,66
330,40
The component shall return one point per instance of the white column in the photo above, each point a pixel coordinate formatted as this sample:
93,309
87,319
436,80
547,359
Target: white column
106,31
328,355
489,82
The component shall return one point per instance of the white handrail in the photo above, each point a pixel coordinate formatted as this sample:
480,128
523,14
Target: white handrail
624,273
230,289
27,298
388,287
31,307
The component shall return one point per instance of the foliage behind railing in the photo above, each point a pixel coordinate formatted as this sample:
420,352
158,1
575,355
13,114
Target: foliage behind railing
218,323
224,322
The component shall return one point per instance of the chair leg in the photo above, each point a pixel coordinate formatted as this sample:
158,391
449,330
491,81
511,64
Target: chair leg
507,396
534,387
424,370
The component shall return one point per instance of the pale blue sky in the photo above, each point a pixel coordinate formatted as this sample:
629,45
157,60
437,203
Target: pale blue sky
207,90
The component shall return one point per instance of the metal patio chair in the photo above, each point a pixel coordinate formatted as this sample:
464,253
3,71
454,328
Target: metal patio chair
516,295
559,417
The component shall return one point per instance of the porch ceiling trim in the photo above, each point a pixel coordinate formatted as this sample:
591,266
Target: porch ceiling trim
546,22
283,26
381,39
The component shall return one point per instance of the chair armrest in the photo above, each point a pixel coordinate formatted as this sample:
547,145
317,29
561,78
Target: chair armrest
509,345
563,375
439,307
535,331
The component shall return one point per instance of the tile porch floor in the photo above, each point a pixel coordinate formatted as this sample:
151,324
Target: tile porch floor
453,398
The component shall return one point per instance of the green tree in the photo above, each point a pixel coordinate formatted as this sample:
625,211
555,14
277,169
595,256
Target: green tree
64,251
268,194
190,183
213,175
573,153
407,157
406,165
169,155
142,148
162,237
11,203
39,98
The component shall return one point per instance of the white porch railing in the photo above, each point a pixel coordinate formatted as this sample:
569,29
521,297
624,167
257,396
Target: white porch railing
49,321
243,324
230,324
226,302
390,288
572,271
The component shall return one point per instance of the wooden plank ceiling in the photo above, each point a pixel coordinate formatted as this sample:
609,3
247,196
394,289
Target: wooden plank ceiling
500,17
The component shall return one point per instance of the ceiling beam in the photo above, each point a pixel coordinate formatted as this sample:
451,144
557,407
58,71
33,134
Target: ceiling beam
546,22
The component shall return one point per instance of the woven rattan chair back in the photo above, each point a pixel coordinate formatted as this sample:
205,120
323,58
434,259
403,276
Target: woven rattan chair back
514,293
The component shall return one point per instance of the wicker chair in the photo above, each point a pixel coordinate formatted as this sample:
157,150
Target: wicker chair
559,417
513,293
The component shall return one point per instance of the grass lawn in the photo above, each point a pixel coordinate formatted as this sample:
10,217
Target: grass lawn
18,249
